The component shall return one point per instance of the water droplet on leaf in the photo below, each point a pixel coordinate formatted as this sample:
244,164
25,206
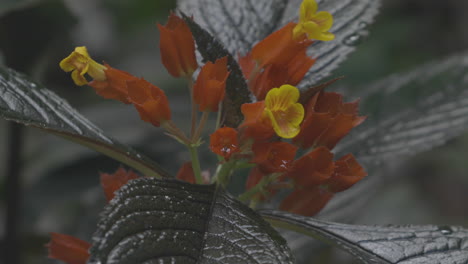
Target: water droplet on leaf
445,230
352,40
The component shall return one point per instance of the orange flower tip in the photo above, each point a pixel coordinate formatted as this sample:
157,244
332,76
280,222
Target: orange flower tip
210,87
112,182
315,25
68,249
80,63
224,142
177,47
186,174
285,113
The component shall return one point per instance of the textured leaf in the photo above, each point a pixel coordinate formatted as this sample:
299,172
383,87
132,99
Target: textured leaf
237,92
155,221
25,102
237,24
413,112
240,24
383,244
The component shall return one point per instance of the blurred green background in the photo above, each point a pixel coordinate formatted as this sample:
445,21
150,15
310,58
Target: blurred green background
60,181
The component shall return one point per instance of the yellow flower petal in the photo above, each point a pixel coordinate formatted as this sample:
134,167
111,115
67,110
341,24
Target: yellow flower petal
314,25
285,113
79,63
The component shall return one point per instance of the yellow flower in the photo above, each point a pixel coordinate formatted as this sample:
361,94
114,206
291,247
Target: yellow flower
285,113
79,63
315,25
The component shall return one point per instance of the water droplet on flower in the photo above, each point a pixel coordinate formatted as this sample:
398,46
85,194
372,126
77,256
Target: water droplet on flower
352,40
445,230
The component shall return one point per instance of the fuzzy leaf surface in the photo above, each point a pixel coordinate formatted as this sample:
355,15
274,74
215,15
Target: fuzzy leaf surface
237,92
167,221
383,244
26,102
242,23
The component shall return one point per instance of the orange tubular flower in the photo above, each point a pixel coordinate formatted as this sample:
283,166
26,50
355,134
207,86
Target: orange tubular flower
112,182
312,169
307,202
257,124
185,173
68,249
108,82
327,120
115,84
279,48
224,142
210,87
177,47
273,156
347,172
149,100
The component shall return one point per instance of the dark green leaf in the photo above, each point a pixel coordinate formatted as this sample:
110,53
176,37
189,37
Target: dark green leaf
25,102
413,112
383,244
237,92
156,221
240,24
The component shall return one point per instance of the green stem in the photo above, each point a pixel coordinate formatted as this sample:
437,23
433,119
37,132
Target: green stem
223,173
194,108
202,124
218,117
247,195
195,164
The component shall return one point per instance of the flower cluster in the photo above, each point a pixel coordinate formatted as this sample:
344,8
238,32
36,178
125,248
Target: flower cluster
286,136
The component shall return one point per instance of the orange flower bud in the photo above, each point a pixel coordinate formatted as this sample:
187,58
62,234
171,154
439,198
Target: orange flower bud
149,100
68,249
347,172
210,87
307,202
312,169
273,156
327,121
185,173
114,86
112,182
177,47
224,142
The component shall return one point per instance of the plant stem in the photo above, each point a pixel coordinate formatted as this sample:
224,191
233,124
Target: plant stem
223,172
194,117
202,124
195,164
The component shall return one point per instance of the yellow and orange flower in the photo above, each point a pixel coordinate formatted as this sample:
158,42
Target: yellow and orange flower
80,63
312,23
149,100
285,113
225,142
210,87
177,47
